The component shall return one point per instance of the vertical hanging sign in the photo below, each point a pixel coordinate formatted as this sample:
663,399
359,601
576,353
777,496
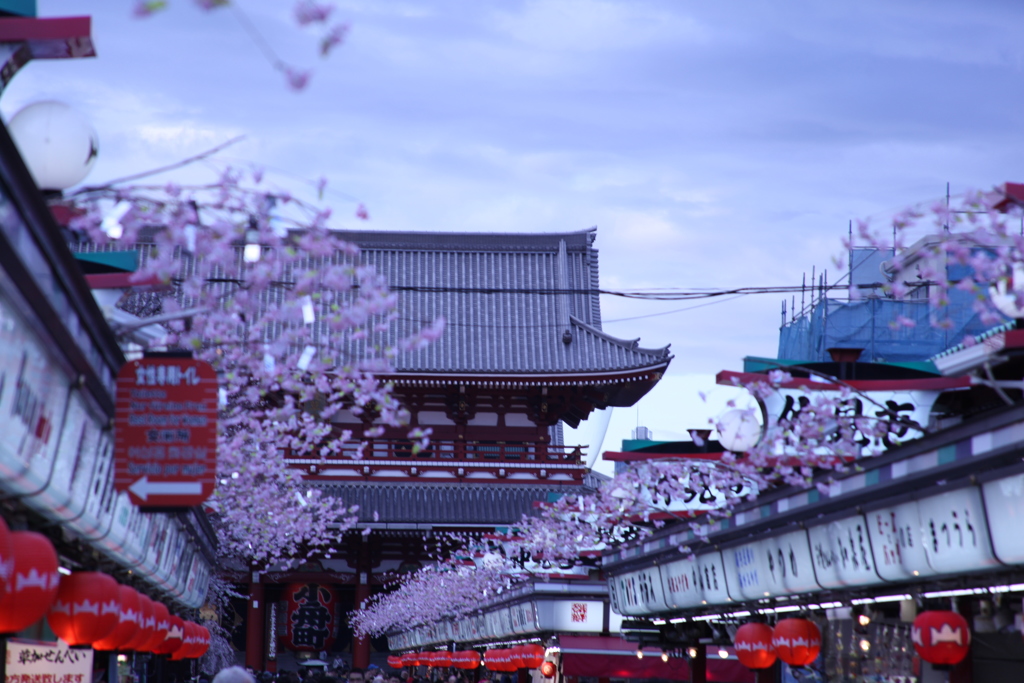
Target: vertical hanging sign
165,431
310,622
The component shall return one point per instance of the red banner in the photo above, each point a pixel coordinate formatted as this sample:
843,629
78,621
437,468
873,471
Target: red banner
165,431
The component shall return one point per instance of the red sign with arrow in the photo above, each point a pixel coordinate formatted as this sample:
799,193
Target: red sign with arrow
165,431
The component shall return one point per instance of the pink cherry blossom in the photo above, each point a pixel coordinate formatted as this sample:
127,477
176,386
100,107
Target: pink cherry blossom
252,318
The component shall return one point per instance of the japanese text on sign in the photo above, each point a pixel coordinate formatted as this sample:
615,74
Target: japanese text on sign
39,662
166,431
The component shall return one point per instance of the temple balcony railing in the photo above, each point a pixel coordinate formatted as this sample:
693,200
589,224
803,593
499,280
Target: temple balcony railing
449,459
454,451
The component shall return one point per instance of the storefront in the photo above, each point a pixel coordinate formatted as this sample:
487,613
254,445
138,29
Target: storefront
58,360
572,625
933,524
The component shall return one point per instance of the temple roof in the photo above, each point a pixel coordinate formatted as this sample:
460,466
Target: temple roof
515,303
446,504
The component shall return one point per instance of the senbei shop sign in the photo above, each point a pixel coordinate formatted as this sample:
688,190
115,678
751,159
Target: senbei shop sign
30,661
165,431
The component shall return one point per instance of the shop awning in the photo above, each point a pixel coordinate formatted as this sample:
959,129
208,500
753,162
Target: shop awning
609,657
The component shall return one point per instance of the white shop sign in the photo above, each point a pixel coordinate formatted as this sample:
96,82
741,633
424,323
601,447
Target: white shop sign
680,584
505,621
30,661
789,563
711,578
697,496
897,542
746,573
911,407
571,616
1004,502
33,395
524,617
955,532
640,592
774,566
842,553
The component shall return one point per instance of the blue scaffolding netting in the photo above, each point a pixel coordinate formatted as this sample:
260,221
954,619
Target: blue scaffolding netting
872,324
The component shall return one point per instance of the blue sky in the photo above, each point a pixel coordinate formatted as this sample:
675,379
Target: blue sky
713,144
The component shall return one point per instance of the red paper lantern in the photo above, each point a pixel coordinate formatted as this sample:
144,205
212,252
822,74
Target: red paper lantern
797,642
204,642
174,638
941,637
6,560
34,581
504,659
162,624
466,659
548,670
753,645
198,645
515,657
188,642
410,659
532,655
395,662
311,617
86,608
443,659
491,660
127,621
147,624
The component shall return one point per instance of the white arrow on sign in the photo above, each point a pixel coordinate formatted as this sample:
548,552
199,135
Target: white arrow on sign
144,488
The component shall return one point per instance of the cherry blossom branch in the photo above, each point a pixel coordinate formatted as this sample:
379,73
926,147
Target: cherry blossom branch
297,328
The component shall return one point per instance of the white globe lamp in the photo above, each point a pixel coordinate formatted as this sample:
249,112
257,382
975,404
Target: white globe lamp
58,144
738,430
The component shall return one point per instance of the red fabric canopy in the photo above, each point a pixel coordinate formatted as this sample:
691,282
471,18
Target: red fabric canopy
609,657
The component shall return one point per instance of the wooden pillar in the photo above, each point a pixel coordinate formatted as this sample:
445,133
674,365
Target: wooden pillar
361,644
699,666
254,626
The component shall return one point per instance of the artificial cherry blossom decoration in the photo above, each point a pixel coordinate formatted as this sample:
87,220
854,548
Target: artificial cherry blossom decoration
297,327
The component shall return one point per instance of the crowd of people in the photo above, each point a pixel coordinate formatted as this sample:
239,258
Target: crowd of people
236,674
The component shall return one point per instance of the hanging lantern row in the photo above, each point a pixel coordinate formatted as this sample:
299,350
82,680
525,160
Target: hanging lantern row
466,659
529,656
940,637
86,608
797,642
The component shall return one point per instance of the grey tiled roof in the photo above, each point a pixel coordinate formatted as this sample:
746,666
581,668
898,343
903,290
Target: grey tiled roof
502,332
444,504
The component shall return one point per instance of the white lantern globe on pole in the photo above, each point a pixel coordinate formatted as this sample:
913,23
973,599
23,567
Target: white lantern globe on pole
58,144
738,430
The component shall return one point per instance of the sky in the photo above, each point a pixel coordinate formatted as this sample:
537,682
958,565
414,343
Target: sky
714,145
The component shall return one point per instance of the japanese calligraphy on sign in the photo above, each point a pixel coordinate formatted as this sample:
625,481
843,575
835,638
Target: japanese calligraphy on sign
954,531
903,412
310,622
30,661
897,542
165,434
842,553
640,592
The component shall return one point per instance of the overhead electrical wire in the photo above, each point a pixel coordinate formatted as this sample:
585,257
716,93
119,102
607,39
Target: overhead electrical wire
666,294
